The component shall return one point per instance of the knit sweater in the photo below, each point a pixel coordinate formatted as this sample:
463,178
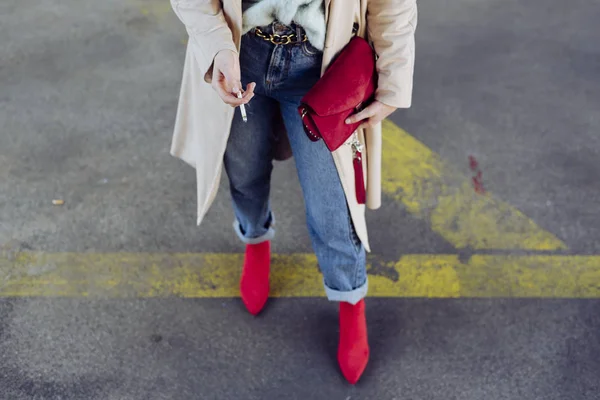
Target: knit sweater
310,14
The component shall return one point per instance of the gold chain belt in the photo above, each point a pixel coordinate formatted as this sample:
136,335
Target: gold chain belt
279,39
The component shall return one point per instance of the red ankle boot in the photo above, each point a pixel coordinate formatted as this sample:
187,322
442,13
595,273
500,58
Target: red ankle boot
353,351
254,284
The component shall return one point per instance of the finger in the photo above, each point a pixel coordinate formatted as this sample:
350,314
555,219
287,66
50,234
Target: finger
371,122
364,114
237,87
234,85
231,80
246,99
366,124
249,89
228,91
246,96
375,119
249,92
229,98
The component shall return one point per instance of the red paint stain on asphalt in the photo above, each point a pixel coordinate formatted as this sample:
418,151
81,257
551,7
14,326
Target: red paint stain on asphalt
478,177
473,164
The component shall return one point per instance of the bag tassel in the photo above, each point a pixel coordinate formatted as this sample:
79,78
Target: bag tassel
359,179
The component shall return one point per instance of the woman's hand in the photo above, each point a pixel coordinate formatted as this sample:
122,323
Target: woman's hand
226,79
372,115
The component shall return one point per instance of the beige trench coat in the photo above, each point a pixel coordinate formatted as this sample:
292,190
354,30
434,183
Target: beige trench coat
203,121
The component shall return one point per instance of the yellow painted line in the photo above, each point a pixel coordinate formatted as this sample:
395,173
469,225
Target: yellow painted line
418,178
155,8
123,275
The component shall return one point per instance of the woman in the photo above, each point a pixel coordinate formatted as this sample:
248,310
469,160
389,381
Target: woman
273,51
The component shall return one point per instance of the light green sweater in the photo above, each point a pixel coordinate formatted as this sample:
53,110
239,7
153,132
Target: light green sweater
310,14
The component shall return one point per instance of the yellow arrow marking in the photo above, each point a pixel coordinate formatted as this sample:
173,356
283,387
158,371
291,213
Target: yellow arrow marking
429,188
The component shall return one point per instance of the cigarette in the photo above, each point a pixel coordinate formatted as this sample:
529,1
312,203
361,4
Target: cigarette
242,108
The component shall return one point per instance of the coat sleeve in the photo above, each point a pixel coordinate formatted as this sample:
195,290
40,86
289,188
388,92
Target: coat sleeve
391,26
207,28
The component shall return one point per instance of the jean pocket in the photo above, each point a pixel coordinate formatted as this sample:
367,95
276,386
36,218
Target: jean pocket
309,49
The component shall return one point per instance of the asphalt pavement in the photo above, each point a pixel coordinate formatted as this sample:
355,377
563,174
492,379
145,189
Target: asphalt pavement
88,92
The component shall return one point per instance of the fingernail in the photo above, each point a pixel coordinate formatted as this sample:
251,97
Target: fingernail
347,121
236,89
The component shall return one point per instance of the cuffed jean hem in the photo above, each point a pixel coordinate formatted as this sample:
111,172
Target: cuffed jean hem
352,296
267,236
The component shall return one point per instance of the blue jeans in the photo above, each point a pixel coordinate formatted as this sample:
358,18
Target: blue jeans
283,74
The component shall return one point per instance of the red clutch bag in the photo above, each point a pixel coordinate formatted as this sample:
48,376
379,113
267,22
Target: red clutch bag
346,87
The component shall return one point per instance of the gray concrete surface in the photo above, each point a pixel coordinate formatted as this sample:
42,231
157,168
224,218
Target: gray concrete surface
518,85
87,98
211,349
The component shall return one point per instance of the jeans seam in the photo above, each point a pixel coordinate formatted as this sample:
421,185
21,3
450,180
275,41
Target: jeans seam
355,241
287,63
268,76
307,52
356,272
353,237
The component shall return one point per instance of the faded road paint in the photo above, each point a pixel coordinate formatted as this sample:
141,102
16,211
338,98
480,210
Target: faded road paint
413,175
123,275
431,189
